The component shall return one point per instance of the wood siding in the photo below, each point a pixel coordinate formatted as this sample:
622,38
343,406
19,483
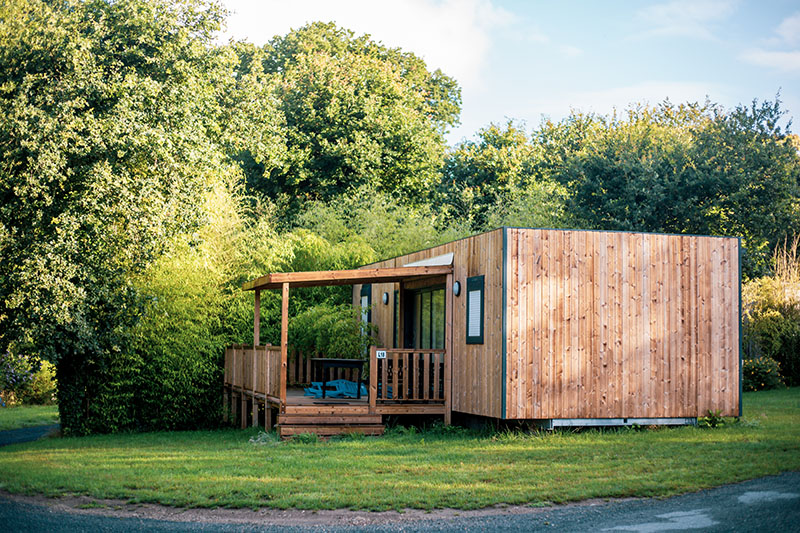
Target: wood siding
477,369
619,325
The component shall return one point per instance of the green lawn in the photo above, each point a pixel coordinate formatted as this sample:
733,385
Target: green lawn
424,470
27,416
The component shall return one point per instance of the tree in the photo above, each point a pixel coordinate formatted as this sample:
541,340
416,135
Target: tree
106,152
499,179
688,169
357,113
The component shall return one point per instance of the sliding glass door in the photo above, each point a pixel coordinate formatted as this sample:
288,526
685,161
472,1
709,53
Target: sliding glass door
425,317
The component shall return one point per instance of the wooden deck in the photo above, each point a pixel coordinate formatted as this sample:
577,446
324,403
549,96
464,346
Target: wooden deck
255,386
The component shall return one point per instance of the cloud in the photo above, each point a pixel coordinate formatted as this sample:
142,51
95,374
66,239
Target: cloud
605,101
687,18
454,35
789,29
786,61
571,51
787,35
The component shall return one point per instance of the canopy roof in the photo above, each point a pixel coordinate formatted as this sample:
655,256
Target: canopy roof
345,277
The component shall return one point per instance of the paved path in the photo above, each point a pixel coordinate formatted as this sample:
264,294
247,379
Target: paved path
13,436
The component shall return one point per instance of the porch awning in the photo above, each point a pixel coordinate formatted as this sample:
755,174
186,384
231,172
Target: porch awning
345,277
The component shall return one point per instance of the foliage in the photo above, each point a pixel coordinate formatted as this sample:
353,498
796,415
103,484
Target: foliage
334,331
541,204
711,420
421,469
195,308
26,380
375,226
760,373
479,174
16,372
686,169
771,307
356,113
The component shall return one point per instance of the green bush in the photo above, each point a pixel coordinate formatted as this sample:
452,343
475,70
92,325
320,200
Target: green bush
332,330
772,313
760,373
776,333
41,389
16,371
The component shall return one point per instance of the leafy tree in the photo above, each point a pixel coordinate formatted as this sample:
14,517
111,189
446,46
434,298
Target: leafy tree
106,151
500,179
751,171
357,113
688,169
542,204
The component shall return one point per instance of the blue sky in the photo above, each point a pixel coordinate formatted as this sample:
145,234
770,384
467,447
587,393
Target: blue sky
526,60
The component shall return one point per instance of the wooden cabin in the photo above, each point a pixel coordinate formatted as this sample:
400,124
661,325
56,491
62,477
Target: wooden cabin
560,327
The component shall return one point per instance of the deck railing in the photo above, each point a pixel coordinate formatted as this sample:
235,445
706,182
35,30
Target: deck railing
401,381
254,369
409,376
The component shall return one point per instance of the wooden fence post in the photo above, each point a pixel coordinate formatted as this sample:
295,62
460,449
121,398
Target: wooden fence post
243,400
284,342
373,378
255,386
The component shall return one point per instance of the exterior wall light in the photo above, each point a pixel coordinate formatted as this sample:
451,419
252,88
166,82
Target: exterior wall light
456,288
385,298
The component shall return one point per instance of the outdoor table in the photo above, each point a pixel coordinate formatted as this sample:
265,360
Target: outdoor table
323,363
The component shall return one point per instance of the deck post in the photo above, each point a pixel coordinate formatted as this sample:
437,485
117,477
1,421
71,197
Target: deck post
225,381
284,342
257,319
255,388
448,349
373,378
243,398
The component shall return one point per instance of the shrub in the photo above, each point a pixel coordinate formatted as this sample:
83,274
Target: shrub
16,371
760,373
772,313
332,330
41,389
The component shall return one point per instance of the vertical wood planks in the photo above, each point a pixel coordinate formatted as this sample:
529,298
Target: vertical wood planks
621,325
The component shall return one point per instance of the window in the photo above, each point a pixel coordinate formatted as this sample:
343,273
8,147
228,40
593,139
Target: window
366,302
475,310
396,338
425,326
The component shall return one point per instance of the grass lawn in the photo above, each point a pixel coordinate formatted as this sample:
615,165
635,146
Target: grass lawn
403,469
28,416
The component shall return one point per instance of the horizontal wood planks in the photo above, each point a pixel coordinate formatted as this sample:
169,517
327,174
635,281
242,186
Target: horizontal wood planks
608,325
477,369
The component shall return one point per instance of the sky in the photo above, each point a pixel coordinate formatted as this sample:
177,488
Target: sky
532,60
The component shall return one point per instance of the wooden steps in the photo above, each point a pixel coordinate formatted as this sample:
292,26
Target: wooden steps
328,410
325,424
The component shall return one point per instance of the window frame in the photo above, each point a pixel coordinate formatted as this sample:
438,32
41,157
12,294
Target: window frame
476,283
366,290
